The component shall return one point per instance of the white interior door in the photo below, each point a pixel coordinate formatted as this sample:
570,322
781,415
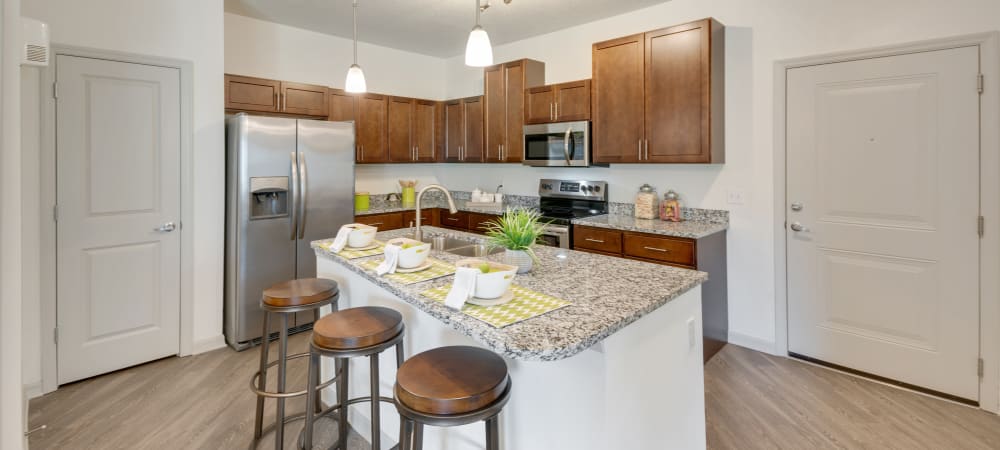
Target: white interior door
118,194
883,187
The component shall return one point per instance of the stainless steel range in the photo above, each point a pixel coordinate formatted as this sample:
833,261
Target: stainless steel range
564,200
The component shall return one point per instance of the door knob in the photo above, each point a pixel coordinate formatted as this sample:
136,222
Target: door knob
795,226
166,228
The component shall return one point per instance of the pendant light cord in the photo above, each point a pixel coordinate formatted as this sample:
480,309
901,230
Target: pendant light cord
356,31
479,8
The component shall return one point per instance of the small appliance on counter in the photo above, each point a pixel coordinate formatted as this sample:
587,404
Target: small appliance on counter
561,201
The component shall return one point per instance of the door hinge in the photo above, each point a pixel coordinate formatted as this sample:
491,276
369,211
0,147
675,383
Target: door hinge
980,83
55,335
980,368
55,89
982,226
55,213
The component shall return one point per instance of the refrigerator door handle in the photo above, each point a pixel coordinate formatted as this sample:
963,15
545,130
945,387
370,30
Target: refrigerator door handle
294,193
304,194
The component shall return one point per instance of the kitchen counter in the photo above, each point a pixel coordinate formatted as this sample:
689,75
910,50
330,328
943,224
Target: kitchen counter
607,294
461,205
693,229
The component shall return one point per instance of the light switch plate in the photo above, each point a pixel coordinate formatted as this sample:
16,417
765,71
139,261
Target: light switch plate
735,197
692,333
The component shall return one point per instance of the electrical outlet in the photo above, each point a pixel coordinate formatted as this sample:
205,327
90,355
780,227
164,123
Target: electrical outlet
735,197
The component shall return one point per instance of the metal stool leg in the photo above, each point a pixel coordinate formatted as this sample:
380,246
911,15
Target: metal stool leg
399,354
342,392
418,436
493,433
405,431
376,425
319,399
279,434
258,423
311,394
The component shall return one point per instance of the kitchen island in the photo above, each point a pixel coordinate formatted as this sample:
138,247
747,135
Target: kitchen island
618,368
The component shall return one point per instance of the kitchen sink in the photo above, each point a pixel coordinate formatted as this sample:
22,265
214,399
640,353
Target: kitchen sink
474,250
445,243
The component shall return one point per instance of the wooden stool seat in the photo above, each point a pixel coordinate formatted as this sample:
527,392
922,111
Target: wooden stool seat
451,380
299,292
357,328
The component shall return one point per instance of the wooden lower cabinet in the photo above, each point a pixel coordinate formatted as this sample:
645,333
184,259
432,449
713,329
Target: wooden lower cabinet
384,222
428,216
478,222
707,254
458,221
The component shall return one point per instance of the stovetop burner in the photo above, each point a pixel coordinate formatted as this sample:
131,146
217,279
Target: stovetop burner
564,200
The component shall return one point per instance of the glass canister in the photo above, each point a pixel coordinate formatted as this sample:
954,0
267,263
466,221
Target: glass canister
646,202
670,208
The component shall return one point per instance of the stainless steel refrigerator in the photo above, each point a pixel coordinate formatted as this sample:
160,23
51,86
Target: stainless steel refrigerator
288,182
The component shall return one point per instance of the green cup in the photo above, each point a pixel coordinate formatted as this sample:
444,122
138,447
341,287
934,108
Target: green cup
409,197
361,201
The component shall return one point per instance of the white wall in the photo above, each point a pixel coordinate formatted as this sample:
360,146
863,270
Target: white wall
190,30
269,50
758,34
12,416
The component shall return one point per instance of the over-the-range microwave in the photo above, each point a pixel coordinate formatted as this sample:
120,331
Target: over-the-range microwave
565,144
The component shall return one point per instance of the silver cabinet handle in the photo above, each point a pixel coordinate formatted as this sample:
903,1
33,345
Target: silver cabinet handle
166,228
657,249
451,219
552,113
646,144
795,226
294,193
640,149
599,241
375,223
304,194
557,110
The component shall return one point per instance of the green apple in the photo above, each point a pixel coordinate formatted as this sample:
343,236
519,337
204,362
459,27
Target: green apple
484,268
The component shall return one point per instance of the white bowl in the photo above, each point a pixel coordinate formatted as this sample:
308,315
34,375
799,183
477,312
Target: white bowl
493,284
361,236
411,257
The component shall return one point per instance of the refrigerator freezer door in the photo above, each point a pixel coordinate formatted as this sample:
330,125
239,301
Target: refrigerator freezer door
260,250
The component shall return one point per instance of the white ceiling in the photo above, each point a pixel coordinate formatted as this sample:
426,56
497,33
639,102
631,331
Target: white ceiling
433,27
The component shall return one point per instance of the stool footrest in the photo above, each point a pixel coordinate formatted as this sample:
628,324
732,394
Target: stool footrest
263,393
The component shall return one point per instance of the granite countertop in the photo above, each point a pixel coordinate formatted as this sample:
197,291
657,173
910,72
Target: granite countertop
461,205
694,229
607,294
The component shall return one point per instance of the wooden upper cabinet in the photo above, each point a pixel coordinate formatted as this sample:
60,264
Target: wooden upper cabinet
684,96
563,102
618,100
400,124
504,86
251,94
472,149
304,99
371,125
425,130
343,106
454,125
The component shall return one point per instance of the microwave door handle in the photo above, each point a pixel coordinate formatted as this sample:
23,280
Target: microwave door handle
569,131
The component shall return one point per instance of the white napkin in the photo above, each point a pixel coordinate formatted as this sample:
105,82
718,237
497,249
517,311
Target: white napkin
463,287
340,241
391,259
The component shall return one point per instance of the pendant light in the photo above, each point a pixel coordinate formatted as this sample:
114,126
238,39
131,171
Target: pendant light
355,82
478,51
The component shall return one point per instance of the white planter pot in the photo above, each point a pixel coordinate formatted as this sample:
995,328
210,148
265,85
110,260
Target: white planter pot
519,258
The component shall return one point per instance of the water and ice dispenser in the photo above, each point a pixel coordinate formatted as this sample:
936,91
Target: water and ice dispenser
268,197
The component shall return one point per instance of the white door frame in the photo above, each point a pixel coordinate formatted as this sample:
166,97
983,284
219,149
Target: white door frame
989,191
48,200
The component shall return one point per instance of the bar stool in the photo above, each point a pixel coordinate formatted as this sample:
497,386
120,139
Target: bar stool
451,386
284,299
353,332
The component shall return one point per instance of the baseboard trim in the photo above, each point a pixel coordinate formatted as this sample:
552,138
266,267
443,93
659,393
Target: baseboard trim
32,390
752,342
208,344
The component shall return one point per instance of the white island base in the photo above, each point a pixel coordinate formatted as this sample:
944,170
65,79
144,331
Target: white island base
640,388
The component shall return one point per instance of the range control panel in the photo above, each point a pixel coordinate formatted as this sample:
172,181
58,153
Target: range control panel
590,190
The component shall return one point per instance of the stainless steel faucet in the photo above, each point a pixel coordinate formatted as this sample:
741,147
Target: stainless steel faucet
417,234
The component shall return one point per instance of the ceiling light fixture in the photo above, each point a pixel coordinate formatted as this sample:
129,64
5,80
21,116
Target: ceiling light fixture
478,51
355,82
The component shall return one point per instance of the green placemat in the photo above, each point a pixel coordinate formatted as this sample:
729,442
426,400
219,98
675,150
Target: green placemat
347,253
525,305
438,269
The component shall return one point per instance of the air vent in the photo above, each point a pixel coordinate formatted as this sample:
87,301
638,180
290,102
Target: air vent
36,54
35,36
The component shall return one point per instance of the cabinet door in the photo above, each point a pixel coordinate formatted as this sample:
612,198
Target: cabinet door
478,223
677,103
454,119
428,216
251,94
513,143
539,104
304,99
372,128
495,115
400,126
384,222
472,151
458,221
572,101
342,106
424,126
618,100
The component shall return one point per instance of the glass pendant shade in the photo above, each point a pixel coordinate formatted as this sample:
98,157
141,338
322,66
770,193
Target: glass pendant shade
355,82
478,51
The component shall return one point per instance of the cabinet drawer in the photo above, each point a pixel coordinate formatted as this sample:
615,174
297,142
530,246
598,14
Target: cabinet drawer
427,217
606,241
478,222
459,220
384,222
670,250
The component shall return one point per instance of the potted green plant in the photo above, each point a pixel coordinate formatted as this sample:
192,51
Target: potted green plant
516,231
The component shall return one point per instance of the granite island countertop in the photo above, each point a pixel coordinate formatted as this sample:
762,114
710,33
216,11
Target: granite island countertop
693,229
607,294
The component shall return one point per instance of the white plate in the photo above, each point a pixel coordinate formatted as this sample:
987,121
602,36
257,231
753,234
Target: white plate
426,265
506,297
361,249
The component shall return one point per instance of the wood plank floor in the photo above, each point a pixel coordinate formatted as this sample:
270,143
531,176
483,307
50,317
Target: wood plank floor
753,401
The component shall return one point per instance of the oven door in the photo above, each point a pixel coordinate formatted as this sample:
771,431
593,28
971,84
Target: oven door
554,236
564,144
